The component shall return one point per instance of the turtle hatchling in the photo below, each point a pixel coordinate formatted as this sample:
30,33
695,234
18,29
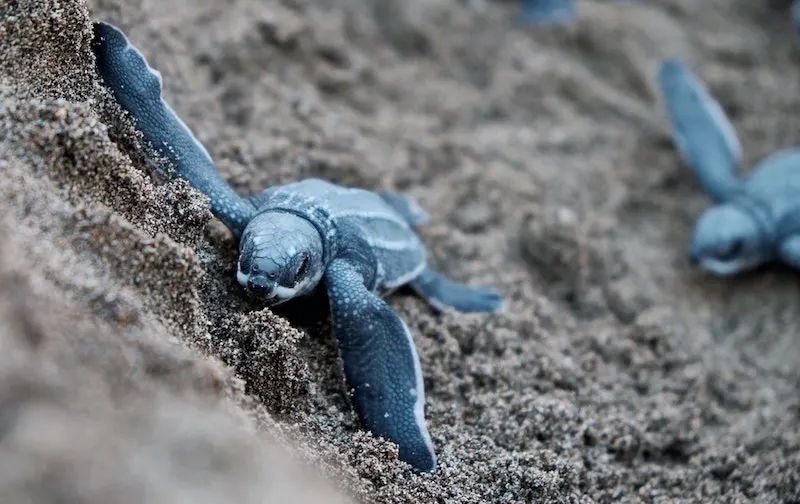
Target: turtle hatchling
755,219
359,245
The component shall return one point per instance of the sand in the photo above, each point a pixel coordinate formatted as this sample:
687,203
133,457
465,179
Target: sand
134,368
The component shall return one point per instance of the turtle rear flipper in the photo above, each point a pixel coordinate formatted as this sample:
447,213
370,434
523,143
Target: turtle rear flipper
137,89
702,133
407,208
441,292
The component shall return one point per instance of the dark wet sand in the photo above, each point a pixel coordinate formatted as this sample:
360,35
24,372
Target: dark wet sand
134,369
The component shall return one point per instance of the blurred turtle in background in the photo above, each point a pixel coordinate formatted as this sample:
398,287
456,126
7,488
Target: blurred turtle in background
755,219
546,12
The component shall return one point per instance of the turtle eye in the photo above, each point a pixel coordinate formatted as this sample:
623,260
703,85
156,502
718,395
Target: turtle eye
303,269
732,251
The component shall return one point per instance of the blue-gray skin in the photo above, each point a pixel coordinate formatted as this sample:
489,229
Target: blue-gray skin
360,245
546,12
550,12
756,219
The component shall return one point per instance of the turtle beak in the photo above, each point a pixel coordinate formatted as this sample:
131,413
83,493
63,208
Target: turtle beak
261,286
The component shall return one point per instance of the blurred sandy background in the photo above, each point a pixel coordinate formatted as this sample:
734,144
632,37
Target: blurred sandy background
133,368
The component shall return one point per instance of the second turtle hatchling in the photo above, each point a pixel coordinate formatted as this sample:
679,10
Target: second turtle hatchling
756,218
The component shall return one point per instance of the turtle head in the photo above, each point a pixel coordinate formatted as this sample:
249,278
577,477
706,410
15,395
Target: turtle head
280,257
727,240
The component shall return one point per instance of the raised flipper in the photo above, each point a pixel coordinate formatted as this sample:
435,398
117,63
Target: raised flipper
702,133
411,212
441,292
546,12
381,365
137,89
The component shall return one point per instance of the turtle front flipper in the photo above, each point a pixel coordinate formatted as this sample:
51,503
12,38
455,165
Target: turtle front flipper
137,89
702,133
440,292
546,12
381,364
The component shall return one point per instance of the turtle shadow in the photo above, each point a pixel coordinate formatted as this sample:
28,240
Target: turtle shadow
312,314
307,313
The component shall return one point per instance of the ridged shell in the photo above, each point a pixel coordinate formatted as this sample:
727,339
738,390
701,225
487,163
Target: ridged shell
398,250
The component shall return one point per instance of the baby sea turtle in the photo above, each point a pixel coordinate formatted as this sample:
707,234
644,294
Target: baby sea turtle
359,245
756,219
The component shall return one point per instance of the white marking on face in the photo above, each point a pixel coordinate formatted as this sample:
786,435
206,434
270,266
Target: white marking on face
304,287
284,293
728,268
